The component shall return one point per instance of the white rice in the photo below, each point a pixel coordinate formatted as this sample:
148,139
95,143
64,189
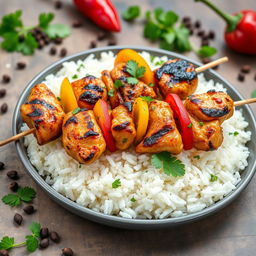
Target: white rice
157,195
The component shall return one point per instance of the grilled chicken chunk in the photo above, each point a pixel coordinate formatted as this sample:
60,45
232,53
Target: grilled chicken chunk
82,137
162,134
210,106
176,76
123,128
206,135
114,96
88,91
128,91
43,112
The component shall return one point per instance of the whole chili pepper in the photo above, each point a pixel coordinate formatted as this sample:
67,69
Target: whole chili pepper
101,12
240,33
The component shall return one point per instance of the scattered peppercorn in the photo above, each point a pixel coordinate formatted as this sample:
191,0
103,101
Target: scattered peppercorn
44,243
77,24
13,175
44,232
241,77
2,93
29,209
186,19
211,35
1,166
4,253
54,237
6,79
58,5
201,33
246,69
67,252
63,52
102,35
14,186
21,65
112,41
4,108
53,51
197,24
18,219
93,44
58,40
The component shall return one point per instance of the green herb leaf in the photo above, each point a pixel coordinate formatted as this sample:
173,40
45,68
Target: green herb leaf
76,110
182,43
26,194
135,71
12,200
11,22
170,164
190,125
131,67
57,30
213,178
10,42
28,46
196,157
152,31
116,183
124,140
206,51
166,18
233,133
80,67
253,94
151,85
169,37
75,76
133,200
131,13
35,229
140,72
58,98
111,93
159,63
147,98
31,243
45,19
132,80
6,243
201,123
118,83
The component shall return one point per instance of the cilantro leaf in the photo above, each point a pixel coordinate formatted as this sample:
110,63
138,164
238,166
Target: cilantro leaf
166,18
10,42
133,200
213,178
116,183
31,243
118,84
76,110
206,51
75,76
111,93
131,13
169,37
182,43
131,67
57,30
147,98
152,31
135,71
233,133
28,46
26,194
132,80
35,229
170,164
12,200
140,72
6,243
45,19
11,22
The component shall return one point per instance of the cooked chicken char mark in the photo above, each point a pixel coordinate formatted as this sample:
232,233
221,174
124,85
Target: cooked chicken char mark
43,112
115,98
162,133
82,137
210,106
88,91
128,91
123,128
176,76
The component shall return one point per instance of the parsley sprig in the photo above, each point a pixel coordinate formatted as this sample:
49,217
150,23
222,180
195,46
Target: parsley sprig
25,194
31,241
116,183
168,163
131,13
132,67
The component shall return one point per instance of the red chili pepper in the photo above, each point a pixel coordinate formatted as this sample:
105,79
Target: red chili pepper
101,12
182,119
240,33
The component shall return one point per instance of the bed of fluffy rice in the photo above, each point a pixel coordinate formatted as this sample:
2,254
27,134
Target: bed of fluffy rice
157,195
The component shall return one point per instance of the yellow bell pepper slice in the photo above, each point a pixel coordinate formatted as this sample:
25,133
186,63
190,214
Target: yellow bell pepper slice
140,116
67,96
129,54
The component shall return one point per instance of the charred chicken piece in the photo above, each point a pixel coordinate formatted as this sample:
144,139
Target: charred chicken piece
43,112
114,96
206,135
162,134
128,91
82,137
123,128
176,76
88,91
210,106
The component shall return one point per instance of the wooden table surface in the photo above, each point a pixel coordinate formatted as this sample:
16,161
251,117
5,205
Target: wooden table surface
229,232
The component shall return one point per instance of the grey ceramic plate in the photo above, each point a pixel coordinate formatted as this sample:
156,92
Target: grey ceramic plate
120,222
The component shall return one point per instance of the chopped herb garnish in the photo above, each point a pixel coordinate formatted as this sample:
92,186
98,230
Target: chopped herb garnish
111,93
152,58
75,76
147,98
76,110
201,123
124,140
80,67
118,83
133,200
233,133
190,125
132,80
151,85
116,183
213,178
58,98
80,165
134,70
168,163
131,13
196,157
159,63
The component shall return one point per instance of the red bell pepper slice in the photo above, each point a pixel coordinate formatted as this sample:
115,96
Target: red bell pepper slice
182,119
103,118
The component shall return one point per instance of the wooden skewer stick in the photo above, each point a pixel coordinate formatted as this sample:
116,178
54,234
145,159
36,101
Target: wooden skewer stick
16,137
211,64
243,102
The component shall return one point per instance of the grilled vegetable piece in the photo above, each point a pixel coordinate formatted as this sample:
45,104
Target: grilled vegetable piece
162,134
82,137
43,112
114,96
130,91
206,135
176,76
210,106
88,91
123,128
